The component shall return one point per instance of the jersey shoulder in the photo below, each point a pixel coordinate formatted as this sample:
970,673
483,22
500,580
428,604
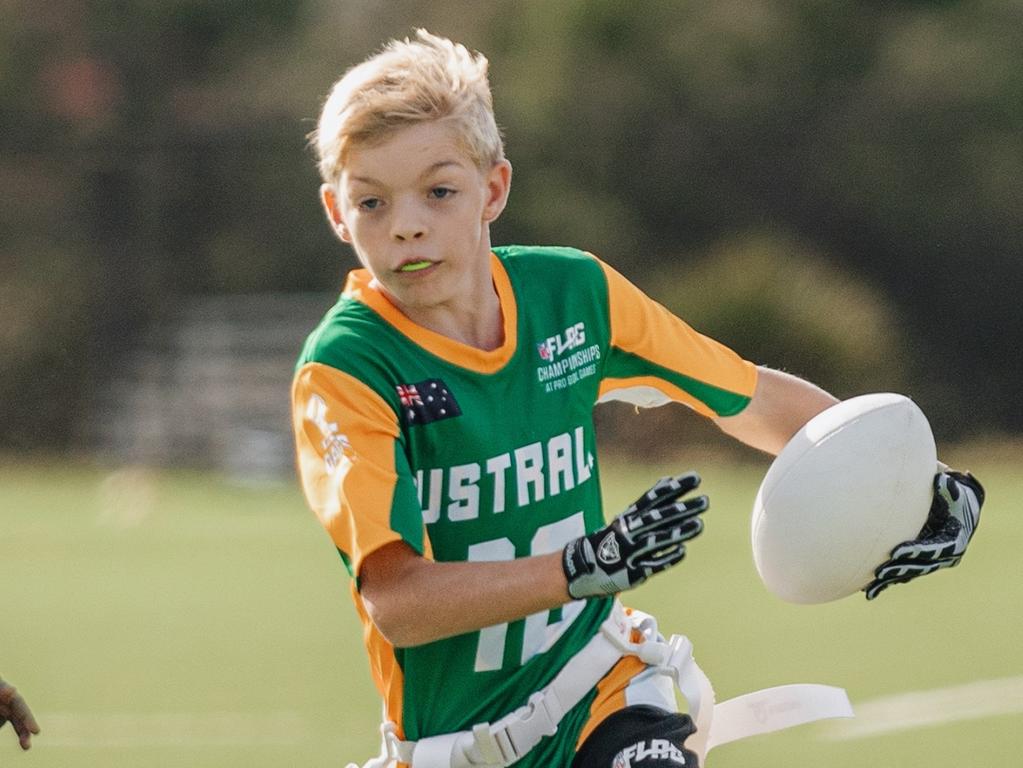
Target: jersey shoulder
344,332
556,257
353,339
558,272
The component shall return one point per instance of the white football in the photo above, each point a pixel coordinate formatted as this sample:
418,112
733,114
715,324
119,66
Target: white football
852,484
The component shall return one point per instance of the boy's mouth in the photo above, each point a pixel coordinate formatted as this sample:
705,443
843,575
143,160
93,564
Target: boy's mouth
415,266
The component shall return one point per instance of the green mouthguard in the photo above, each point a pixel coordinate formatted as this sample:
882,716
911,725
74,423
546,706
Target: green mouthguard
416,266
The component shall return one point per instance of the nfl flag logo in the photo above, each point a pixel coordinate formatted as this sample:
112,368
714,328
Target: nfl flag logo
426,401
544,349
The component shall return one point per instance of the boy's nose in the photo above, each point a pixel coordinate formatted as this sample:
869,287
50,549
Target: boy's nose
407,223
408,234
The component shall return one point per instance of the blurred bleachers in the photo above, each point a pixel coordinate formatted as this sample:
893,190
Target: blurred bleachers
209,388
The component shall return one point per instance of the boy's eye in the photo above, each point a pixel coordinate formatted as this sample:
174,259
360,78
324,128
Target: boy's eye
439,193
369,204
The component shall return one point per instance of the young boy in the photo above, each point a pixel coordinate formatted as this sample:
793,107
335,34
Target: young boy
443,420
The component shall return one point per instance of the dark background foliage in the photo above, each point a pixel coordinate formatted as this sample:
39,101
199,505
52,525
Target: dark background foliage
833,188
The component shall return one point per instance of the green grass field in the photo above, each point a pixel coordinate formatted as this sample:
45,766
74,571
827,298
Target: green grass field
173,619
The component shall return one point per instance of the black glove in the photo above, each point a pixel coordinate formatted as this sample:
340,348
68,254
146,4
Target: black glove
646,538
954,516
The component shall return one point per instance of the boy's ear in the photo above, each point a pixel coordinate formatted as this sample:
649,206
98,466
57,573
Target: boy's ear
329,199
498,182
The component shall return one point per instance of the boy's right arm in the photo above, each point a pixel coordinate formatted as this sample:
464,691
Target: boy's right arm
363,492
413,600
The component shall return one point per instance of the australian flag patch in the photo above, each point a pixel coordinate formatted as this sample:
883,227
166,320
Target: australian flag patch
426,401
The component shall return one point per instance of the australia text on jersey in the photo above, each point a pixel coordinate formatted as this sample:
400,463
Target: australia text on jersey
537,471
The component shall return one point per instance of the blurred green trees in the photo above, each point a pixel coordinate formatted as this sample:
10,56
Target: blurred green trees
831,187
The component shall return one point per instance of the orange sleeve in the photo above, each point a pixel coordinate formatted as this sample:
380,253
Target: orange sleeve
353,473
656,357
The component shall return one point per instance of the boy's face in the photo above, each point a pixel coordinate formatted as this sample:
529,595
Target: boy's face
417,211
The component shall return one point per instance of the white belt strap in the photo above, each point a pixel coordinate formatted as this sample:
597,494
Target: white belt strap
774,709
513,736
505,742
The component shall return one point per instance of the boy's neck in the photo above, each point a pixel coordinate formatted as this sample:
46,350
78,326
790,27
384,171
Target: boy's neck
479,325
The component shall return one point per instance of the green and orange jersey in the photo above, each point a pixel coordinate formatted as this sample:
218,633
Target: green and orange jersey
470,455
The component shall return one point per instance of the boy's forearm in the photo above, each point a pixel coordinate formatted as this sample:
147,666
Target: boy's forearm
415,601
781,405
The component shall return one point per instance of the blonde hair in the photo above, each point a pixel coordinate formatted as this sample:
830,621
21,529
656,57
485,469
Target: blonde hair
408,82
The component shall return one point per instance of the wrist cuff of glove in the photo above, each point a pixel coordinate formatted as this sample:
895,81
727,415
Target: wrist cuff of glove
575,563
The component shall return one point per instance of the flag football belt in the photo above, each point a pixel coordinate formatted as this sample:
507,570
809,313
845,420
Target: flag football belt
623,633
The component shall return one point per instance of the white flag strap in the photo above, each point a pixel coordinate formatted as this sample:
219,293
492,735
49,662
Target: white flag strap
439,750
773,709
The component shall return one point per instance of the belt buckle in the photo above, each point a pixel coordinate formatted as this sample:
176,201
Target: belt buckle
494,744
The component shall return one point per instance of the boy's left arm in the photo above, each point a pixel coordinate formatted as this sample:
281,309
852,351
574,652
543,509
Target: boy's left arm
782,404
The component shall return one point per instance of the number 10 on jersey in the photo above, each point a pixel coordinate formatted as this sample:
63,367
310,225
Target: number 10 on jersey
539,632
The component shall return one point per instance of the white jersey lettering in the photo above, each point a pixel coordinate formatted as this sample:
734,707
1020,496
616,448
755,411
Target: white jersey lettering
497,466
583,459
529,472
464,492
538,470
431,512
559,463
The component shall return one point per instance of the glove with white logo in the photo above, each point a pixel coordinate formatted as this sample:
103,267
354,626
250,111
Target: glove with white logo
954,516
643,540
